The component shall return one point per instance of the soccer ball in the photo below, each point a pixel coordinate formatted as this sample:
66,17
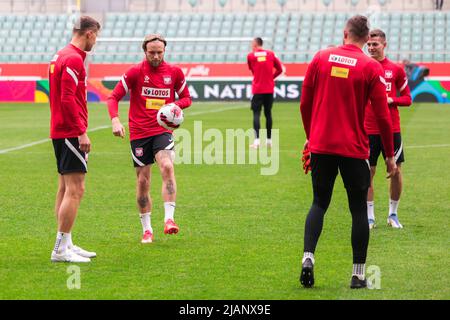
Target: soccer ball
170,116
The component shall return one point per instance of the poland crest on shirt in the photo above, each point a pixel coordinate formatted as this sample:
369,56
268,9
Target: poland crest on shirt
388,74
167,80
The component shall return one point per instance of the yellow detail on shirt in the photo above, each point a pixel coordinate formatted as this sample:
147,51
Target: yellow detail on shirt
154,104
262,59
52,68
340,72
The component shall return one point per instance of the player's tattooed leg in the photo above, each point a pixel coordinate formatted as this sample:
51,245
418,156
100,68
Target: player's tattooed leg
143,201
170,187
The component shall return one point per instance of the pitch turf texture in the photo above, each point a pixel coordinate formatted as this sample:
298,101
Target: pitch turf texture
241,232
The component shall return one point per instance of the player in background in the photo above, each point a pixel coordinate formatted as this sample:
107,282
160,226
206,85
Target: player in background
152,84
338,84
265,67
398,95
68,126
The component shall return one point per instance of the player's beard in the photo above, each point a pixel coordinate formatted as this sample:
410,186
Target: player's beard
89,47
156,63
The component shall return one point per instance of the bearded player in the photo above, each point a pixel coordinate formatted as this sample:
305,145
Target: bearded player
398,95
152,84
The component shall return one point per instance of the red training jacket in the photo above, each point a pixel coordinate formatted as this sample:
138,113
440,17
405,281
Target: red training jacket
262,64
150,88
338,84
396,82
68,104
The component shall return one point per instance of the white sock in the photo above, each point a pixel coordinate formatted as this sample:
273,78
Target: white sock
371,210
256,142
169,210
69,241
62,242
146,222
308,255
269,141
359,270
393,206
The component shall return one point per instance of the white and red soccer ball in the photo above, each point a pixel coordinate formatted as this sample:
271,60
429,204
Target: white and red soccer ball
170,116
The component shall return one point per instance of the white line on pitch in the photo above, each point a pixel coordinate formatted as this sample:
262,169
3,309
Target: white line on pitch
24,146
428,146
217,110
42,141
31,144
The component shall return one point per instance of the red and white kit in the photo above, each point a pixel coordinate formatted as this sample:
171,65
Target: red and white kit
397,89
150,88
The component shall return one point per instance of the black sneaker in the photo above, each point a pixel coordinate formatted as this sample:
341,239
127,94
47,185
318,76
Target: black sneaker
357,283
307,275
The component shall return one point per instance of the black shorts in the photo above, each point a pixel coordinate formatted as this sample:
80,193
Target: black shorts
376,147
324,169
69,157
144,150
259,100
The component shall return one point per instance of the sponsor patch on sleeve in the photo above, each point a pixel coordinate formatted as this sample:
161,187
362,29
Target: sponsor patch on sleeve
340,72
154,104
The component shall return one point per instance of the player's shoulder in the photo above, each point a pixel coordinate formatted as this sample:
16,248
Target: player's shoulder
70,57
173,68
372,64
396,66
135,68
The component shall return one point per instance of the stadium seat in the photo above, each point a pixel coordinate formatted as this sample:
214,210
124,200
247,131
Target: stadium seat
291,34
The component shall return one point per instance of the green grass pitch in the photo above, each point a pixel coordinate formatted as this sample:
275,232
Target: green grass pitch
241,232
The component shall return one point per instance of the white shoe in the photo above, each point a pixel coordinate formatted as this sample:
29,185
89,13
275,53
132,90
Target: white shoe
269,143
255,144
68,256
83,253
393,222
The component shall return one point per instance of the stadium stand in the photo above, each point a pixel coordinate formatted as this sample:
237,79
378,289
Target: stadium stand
294,36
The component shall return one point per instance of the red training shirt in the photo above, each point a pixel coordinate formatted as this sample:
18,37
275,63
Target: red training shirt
150,88
262,64
396,82
68,104
338,84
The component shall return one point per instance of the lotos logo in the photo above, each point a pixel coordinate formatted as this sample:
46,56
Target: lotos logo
155,92
261,54
343,60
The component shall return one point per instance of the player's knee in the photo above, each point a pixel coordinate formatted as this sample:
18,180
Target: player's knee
143,182
357,200
322,202
76,191
166,167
